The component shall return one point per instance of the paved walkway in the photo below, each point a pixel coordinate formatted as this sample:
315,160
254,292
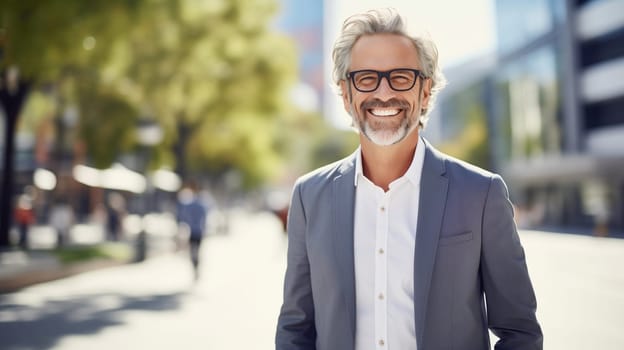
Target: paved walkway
579,282
155,305
19,268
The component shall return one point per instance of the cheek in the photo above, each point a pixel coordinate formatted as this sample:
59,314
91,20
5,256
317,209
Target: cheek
348,101
352,105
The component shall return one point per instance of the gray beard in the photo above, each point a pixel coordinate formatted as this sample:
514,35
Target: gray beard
385,137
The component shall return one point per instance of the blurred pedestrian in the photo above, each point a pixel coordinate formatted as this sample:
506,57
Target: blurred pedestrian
24,218
399,246
277,202
115,210
61,219
191,215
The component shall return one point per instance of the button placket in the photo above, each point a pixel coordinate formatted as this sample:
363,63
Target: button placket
381,270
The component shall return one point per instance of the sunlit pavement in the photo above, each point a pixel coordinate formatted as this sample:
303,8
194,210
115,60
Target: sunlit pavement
234,305
156,304
579,282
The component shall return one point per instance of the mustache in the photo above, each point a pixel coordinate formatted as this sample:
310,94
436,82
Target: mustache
391,103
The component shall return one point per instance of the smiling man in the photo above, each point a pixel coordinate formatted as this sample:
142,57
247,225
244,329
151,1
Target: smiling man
399,246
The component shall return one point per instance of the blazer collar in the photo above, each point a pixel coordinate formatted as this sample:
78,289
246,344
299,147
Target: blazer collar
433,190
343,201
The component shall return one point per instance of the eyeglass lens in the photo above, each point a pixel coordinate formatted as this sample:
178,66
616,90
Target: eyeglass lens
399,79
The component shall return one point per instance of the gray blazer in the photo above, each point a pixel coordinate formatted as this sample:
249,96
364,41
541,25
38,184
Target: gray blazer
470,273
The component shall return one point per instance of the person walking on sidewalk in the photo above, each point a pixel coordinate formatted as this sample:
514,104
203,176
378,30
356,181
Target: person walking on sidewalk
24,218
400,246
61,218
191,214
115,213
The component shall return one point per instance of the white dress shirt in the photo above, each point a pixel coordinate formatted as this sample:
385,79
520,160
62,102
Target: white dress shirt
384,241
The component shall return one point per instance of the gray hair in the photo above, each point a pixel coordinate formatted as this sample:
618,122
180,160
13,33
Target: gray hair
385,21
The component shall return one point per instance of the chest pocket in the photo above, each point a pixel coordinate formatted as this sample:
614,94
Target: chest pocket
455,239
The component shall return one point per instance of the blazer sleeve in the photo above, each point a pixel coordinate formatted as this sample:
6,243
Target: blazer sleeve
510,298
295,325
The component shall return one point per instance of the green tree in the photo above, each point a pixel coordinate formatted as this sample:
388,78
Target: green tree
212,74
38,41
215,77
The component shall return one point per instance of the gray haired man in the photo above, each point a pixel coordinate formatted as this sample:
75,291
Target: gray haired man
400,246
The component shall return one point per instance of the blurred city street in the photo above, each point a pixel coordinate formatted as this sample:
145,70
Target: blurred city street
235,303
156,304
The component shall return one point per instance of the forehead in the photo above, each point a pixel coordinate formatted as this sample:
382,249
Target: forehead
384,52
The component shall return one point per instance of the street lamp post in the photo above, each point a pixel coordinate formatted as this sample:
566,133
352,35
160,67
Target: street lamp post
149,134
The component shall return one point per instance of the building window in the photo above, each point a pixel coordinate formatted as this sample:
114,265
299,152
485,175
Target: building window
529,108
521,22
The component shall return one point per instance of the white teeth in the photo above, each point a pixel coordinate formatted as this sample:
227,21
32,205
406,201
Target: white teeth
384,112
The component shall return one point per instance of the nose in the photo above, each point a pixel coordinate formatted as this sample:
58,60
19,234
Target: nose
384,92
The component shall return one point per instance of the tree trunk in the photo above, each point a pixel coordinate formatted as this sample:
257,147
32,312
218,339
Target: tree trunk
179,149
11,101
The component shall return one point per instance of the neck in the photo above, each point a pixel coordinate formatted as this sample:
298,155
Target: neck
384,164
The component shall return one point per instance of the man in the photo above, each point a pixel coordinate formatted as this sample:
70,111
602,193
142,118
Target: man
192,213
24,218
399,246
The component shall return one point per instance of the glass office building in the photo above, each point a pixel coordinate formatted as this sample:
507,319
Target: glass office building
553,103
558,115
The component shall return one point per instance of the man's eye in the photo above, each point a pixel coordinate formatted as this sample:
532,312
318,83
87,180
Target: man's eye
367,79
402,77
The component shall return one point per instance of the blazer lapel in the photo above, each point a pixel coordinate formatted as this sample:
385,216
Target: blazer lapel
433,189
344,203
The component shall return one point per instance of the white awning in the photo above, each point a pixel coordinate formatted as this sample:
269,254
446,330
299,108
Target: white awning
117,177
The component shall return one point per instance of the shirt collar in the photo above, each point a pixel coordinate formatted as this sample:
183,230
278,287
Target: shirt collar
412,174
358,165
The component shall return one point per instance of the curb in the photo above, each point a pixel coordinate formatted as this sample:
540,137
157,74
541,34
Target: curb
22,280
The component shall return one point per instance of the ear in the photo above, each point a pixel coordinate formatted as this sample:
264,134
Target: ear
426,93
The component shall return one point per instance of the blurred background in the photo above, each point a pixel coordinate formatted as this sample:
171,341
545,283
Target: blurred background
110,108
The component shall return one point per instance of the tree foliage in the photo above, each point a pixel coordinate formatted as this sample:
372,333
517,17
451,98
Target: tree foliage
216,71
43,38
213,68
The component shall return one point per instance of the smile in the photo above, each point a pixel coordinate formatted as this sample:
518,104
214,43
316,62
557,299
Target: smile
384,112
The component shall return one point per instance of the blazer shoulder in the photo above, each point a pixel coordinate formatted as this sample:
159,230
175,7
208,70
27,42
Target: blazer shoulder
459,169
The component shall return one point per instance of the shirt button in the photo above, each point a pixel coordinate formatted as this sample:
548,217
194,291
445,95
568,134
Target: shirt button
383,208
381,251
381,296
382,342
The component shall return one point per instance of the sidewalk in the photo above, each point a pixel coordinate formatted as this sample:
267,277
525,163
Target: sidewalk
20,269
23,268
158,304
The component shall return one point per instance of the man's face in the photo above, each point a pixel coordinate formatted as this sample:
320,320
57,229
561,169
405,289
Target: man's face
385,116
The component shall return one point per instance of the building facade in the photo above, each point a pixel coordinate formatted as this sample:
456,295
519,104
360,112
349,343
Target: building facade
553,106
303,22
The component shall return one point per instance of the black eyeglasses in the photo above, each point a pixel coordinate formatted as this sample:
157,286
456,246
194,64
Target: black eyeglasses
400,79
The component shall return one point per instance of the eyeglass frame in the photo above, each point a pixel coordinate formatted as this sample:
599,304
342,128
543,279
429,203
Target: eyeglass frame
386,74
